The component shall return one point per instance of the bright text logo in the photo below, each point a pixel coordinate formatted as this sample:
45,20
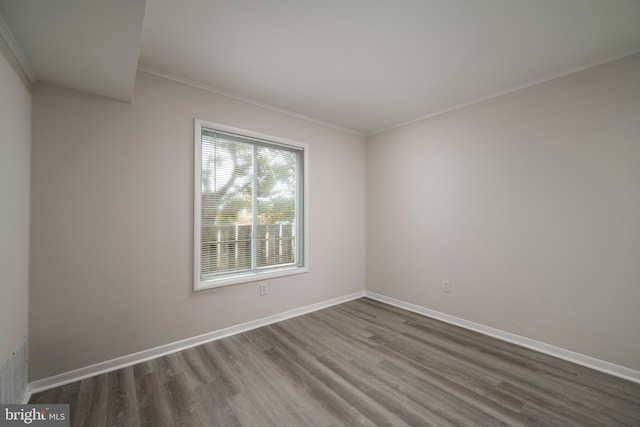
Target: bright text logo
37,415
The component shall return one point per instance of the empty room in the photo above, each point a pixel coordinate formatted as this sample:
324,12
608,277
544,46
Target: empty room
320,213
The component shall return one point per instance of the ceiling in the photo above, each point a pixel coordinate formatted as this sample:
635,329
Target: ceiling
89,45
360,65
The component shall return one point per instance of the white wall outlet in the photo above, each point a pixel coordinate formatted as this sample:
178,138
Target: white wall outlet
263,289
446,286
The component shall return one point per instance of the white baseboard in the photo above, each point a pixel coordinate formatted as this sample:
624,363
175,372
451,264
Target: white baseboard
142,356
561,353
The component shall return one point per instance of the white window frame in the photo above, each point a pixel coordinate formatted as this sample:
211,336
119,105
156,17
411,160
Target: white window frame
253,276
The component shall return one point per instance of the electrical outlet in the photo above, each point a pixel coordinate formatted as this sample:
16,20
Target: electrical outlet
446,286
263,289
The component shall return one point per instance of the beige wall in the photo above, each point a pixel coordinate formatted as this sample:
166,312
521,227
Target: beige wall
111,266
529,203
15,143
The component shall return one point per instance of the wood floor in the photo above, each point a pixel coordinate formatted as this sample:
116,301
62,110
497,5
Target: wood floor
358,363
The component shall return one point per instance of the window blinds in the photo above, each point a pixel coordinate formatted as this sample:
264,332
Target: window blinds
251,205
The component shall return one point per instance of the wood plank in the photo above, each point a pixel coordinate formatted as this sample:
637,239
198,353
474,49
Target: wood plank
359,363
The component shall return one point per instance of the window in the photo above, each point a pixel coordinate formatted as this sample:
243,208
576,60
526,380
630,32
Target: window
249,206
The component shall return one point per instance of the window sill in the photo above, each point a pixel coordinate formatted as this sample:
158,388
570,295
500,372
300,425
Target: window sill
201,285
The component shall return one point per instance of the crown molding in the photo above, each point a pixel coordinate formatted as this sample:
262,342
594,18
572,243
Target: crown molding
217,91
7,35
507,91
